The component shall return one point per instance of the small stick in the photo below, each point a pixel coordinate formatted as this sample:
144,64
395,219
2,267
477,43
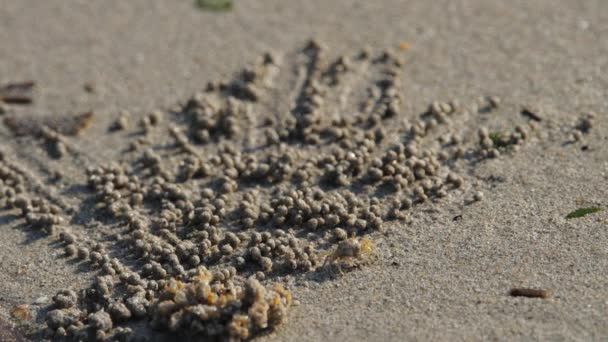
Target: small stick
530,293
17,93
531,114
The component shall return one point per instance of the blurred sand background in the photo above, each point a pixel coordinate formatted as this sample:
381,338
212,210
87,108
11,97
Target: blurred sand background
436,279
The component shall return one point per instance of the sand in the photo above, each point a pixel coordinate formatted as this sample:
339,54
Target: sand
436,278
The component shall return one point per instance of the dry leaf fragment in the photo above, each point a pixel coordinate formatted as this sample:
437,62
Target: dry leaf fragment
34,125
21,312
17,93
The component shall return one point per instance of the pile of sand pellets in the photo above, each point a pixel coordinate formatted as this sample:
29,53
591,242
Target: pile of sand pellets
294,166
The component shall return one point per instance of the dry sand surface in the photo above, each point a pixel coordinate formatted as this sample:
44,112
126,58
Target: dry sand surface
440,270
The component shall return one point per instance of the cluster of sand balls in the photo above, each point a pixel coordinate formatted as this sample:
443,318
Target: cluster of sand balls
218,201
38,212
209,304
203,305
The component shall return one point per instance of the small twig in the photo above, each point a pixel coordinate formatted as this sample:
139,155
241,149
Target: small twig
530,293
17,93
531,114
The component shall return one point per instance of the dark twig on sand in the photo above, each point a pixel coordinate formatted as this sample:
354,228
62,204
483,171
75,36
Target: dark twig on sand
531,114
530,293
17,93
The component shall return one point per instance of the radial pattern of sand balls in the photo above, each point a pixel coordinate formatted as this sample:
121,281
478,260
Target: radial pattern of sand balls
292,167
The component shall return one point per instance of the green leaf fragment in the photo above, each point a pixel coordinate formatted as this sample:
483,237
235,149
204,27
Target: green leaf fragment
214,5
583,211
498,140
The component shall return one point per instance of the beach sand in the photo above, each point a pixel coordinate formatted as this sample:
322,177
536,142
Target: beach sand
436,278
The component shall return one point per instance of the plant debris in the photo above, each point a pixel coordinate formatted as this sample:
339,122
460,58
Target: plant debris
531,114
498,140
583,212
214,5
21,312
17,93
34,125
529,293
